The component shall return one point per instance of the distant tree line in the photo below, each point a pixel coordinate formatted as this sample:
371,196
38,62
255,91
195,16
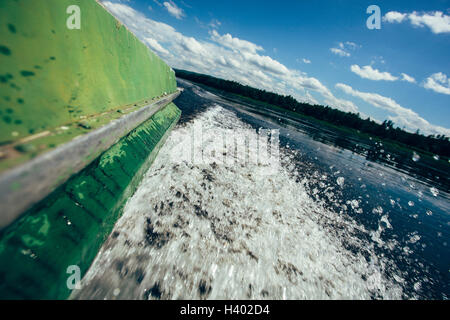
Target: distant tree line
436,144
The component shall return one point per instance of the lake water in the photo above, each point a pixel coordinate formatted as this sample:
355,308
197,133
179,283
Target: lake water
338,219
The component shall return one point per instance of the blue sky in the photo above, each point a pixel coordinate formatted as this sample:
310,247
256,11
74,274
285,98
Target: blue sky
317,51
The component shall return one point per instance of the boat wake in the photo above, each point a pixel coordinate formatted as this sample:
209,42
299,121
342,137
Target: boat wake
215,230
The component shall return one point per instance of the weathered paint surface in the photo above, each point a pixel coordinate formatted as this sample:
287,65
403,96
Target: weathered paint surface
51,76
69,226
56,84
26,185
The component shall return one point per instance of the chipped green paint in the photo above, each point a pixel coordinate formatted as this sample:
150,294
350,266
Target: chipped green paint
53,76
69,226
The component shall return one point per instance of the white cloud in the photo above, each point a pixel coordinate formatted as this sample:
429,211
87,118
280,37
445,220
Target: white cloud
437,21
306,61
234,43
301,82
376,60
226,57
408,78
215,23
266,63
174,10
344,48
350,45
155,46
367,72
438,82
394,17
191,45
402,116
340,52
310,98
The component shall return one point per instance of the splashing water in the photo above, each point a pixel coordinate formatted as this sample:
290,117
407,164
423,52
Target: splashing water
221,231
434,191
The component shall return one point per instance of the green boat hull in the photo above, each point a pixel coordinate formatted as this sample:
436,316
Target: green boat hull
82,80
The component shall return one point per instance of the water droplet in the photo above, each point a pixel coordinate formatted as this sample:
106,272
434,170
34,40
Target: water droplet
415,157
340,181
417,286
378,210
116,292
384,222
429,212
411,203
434,191
436,157
354,204
414,238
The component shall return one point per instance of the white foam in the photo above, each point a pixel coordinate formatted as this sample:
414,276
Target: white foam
222,231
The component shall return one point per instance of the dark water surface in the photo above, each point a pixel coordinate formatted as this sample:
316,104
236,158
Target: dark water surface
344,218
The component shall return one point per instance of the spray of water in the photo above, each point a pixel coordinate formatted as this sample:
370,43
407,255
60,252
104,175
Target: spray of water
232,231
